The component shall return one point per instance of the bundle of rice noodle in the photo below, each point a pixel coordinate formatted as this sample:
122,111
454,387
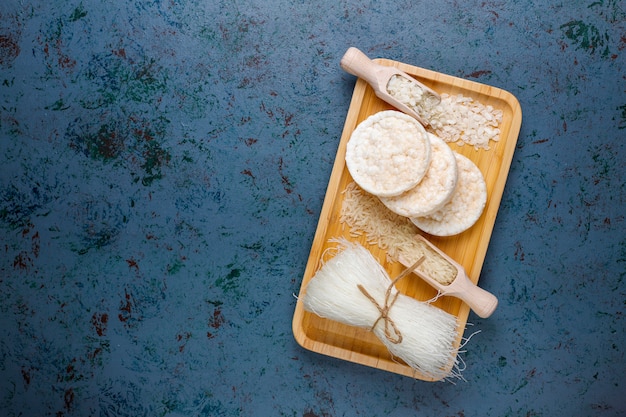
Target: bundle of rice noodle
353,288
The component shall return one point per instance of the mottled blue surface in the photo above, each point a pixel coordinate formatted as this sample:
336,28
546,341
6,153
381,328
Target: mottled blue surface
163,166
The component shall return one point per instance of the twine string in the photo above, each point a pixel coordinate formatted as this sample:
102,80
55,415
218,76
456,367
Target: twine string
390,325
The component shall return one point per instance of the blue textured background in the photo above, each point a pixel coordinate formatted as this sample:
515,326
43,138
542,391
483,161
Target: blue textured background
163,165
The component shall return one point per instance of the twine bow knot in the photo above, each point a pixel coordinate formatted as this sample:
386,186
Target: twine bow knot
392,333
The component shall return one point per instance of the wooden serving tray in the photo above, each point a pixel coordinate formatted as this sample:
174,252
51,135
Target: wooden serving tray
468,248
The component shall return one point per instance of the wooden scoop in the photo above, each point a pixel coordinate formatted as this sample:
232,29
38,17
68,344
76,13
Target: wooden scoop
377,76
482,302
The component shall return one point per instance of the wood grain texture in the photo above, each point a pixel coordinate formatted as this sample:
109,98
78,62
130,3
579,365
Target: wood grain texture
468,248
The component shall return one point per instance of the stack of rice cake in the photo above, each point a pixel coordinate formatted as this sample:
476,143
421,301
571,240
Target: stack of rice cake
415,174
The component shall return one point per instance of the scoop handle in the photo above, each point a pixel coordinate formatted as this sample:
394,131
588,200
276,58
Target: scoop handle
482,302
357,63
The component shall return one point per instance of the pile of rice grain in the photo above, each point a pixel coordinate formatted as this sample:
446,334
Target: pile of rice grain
365,215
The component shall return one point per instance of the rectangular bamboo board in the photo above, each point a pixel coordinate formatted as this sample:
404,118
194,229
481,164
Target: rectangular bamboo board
468,248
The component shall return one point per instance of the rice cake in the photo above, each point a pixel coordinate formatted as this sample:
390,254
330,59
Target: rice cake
435,189
464,208
388,153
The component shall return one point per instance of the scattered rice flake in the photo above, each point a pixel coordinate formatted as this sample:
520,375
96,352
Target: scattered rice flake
457,118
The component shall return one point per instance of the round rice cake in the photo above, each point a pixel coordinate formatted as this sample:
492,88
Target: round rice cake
434,190
388,153
464,208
